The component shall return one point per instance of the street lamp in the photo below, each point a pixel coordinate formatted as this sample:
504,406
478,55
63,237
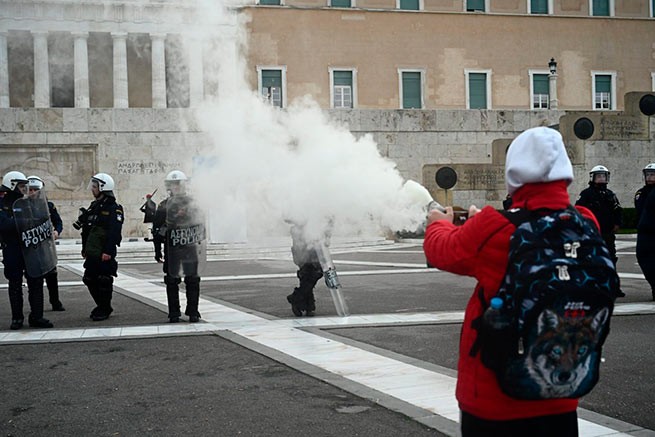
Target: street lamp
552,84
552,65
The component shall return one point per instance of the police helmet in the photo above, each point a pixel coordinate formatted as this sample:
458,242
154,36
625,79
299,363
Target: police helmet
104,181
649,169
599,169
11,180
35,183
176,175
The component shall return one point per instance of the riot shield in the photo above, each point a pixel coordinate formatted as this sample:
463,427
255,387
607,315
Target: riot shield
186,239
331,279
36,238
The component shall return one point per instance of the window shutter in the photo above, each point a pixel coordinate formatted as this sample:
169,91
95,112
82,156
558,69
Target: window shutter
411,90
409,5
271,78
540,84
341,3
342,77
539,6
478,90
603,83
601,8
475,5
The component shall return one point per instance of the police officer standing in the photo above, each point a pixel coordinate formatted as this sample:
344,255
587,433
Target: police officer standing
605,206
309,272
177,215
101,235
35,183
645,206
14,183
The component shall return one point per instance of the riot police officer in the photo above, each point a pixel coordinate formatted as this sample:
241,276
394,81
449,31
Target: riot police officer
177,215
645,206
101,224
605,206
309,272
14,183
35,183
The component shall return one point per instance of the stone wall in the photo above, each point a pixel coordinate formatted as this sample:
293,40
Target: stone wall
66,146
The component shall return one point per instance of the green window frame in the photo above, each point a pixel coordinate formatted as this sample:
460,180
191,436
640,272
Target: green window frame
272,87
475,5
539,6
600,8
343,89
540,91
411,82
270,2
477,90
409,5
341,3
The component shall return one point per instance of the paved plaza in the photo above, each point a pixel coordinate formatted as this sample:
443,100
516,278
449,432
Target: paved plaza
252,369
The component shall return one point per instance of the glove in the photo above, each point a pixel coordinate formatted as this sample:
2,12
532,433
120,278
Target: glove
158,257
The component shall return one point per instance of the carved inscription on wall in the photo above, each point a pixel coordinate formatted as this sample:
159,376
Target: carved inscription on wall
623,128
145,167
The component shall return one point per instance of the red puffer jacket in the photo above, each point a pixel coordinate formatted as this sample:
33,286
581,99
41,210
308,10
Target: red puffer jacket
480,248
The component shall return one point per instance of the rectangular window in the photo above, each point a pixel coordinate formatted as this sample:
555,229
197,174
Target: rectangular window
539,6
340,4
475,5
540,91
477,90
343,89
409,5
600,8
603,91
270,2
411,85
652,8
272,86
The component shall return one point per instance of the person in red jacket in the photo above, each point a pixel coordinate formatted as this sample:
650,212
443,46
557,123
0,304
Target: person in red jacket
537,174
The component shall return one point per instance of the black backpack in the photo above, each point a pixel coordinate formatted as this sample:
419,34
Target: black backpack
558,296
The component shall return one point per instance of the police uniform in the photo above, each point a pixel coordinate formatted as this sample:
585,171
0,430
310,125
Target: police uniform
605,206
184,258
309,272
101,233
14,270
51,277
645,206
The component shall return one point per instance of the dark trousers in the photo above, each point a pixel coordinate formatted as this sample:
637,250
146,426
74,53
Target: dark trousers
646,258
559,425
303,295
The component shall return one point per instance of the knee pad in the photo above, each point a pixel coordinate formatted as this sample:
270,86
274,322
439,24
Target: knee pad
170,280
192,280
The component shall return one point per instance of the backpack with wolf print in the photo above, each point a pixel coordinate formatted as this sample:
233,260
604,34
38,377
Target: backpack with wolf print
558,293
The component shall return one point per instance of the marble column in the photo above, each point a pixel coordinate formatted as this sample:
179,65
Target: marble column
121,99
158,70
4,71
41,70
552,90
196,76
81,59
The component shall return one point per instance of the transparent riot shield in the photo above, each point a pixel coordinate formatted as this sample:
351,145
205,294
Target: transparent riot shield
36,238
331,279
186,237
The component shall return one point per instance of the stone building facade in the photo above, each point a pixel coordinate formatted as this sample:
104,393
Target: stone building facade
115,86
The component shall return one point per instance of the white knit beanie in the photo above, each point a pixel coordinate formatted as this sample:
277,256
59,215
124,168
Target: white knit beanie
537,155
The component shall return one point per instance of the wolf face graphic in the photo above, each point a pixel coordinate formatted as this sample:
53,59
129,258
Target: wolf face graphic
559,360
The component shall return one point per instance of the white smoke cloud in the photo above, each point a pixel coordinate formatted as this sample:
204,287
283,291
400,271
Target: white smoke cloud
272,165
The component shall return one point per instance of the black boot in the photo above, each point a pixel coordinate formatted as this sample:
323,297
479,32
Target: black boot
297,302
15,288
173,298
35,297
310,304
53,291
105,290
192,284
